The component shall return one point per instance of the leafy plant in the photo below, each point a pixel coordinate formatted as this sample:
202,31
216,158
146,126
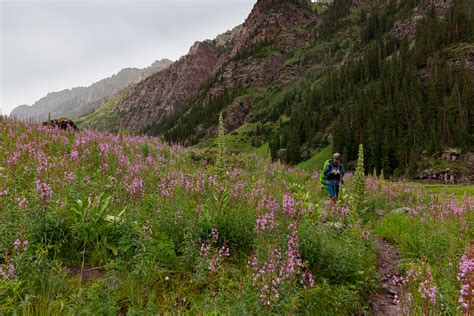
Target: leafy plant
357,200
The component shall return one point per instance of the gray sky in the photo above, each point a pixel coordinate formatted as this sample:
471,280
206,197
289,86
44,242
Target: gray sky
48,46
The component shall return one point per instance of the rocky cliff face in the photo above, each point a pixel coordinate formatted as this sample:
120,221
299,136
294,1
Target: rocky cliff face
76,102
156,97
268,19
161,94
277,24
407,28
223,64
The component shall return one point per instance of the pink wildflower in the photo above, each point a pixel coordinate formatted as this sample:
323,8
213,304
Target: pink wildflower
289,205
22,202
44,190
465,276
136,187
70,177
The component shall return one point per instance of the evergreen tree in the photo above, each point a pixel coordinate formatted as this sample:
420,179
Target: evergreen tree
293,154
274,145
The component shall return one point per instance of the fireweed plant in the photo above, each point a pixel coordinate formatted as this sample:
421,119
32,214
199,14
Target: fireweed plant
434,235
94,223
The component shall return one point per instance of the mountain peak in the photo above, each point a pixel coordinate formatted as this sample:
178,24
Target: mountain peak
226,38
197,46
269,17
161,63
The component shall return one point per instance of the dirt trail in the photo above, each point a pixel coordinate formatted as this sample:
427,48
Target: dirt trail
88,274
388,260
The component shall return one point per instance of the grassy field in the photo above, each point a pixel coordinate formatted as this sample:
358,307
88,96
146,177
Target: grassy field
102,113
458,190
316,162
240,140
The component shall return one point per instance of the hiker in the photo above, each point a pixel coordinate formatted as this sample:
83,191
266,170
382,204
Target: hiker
334,176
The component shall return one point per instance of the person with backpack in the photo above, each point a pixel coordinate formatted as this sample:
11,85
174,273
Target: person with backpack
333,176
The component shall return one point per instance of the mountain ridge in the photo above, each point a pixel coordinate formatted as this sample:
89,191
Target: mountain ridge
77,101
155,97
299,76
268,21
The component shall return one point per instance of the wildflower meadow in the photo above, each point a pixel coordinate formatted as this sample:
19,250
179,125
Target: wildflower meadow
102,224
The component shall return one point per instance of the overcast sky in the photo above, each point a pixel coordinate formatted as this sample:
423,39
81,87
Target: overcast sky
49,45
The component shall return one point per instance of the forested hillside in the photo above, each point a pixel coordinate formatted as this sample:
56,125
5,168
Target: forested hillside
400,97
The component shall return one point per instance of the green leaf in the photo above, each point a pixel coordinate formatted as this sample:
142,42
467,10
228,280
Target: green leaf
112,248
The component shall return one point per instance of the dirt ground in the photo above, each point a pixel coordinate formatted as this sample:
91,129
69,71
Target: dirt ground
88,274
388,259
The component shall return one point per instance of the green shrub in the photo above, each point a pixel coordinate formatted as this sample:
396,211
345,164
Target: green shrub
433,241
237,227
337,257
327,299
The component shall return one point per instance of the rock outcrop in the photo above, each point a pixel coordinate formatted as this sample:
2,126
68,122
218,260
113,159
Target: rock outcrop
154,98
237,113
455,167
268,19
450,154
439,175
407,28
61,123
269,22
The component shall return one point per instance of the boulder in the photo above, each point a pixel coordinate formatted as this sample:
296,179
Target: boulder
402,210
469,158
62,123
258,141
450,154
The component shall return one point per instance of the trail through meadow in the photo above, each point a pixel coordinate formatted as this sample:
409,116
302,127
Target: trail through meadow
388,260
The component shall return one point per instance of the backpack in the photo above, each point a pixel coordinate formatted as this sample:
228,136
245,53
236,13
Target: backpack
322,177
